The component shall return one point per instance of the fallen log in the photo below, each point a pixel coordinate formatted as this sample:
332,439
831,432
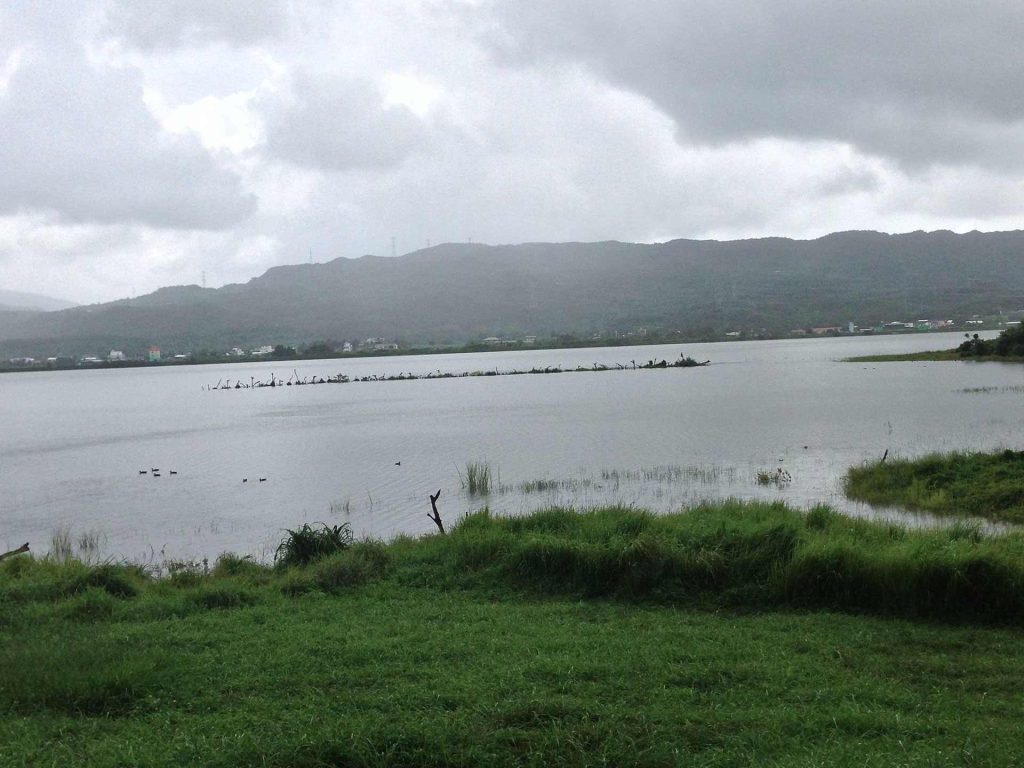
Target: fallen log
20,550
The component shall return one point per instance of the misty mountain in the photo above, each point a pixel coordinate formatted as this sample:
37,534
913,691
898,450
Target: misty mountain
461,292
18,301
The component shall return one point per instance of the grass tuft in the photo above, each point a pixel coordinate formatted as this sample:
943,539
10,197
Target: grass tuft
478,479
306,544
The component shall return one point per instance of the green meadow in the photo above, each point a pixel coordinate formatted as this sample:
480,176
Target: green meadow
732,635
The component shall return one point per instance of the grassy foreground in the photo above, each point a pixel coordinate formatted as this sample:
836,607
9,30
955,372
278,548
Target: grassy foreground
606,638
989,485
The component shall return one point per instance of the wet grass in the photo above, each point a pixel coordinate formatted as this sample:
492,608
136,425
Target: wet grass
478,479
312,542
988,485
737,634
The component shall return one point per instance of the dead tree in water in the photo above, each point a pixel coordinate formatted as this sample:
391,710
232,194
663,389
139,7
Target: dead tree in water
435,516
20,550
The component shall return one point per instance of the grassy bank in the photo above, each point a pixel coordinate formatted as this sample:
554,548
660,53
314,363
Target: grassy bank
989,485
909,357
611,638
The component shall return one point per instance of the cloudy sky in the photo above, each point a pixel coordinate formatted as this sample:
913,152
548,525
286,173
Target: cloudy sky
145,142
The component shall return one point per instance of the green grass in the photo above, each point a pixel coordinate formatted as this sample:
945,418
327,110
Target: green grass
989,485
738,635
308,543
479,478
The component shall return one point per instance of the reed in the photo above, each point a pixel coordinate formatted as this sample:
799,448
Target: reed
478,478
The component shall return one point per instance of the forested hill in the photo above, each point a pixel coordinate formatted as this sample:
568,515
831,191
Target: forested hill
459,292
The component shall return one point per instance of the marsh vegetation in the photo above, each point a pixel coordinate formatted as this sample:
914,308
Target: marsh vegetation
986,485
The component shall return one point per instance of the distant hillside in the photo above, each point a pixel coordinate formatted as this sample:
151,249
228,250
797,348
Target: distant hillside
18,301
458,292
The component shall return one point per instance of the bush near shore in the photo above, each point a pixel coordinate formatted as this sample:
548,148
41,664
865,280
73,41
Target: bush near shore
988,485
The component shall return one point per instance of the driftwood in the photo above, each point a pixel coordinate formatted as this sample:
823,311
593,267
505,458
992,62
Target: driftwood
20,550
435,516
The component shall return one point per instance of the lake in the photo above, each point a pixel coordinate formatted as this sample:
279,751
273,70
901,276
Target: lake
74,442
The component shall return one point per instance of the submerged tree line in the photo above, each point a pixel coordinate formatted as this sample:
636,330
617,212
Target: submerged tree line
295,380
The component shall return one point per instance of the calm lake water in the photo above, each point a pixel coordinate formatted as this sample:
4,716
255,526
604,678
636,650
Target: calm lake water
73,442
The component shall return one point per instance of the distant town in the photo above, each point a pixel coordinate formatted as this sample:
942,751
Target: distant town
374,346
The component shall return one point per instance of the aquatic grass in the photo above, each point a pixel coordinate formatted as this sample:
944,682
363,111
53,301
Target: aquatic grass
708,474
777,477
478,478
551,485
988,485
61,548
308,543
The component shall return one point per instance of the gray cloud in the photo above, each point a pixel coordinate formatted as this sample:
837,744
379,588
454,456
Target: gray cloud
154,24
339,124
78,142
920,82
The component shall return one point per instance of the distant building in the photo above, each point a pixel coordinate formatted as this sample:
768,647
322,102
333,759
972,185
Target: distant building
492,340
154,354
266,349
346,347
529,339
236,352
116,355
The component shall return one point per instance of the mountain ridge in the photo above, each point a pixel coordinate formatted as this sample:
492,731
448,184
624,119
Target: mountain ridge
457,292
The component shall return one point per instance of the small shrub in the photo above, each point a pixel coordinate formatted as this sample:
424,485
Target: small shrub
306,544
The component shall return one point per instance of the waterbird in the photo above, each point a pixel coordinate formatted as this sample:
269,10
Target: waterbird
245,479
142,471
263,479
156,474
174,471
154,469
398,463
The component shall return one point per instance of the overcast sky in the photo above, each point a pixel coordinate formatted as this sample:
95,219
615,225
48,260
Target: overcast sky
145,142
